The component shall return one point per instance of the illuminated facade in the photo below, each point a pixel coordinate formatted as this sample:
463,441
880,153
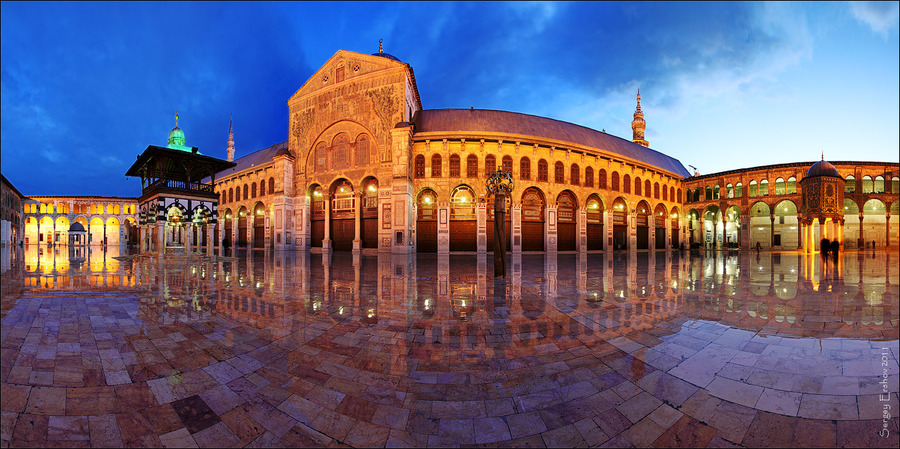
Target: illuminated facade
108,220
11,201
740,208
365,167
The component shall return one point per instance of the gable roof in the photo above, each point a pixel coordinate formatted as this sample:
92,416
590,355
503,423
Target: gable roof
491,121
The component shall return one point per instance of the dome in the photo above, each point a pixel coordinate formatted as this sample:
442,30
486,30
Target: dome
387,55
822,168
176,137
76,227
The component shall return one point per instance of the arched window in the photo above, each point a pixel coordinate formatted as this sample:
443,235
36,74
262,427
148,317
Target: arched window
454,166
647,188
340,151
729,190
791,186
895,185
230,194
362,151
271,185
252,190
764,187
490,165
436,166
262,187
588,176
614,181
850,184
246,191
867,184
678,198
637,186
507,164
656,190
672,193
716,192
419,170
739,190
754,189
779,186
626,184
575,175
542,171
879,184
601,179
665,193
559,173
237,193
472,166
320,156
525,168
709,193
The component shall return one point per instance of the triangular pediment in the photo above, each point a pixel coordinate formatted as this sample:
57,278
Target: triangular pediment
353,65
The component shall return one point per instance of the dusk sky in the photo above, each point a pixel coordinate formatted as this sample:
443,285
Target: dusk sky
87,86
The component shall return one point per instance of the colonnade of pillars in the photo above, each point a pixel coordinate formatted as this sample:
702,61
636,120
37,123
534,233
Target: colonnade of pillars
158,236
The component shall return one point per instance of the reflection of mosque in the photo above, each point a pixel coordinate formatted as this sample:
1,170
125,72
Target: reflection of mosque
450,301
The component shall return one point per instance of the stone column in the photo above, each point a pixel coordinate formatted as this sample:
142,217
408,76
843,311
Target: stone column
550,229
481,229
840,233
582,230
799,232
326,242
862,239
210,235
823,232
189,238
631,221
516,229
357,221
234,231
771,230
887,229
607,231
161,237
668,230
724,242
443,231
651,231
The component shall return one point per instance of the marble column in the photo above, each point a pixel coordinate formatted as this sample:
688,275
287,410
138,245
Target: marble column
326,242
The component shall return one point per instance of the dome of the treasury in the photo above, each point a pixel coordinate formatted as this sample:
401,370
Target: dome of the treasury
822,168
76,227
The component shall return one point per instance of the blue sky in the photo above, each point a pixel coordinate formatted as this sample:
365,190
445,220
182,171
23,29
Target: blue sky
87,86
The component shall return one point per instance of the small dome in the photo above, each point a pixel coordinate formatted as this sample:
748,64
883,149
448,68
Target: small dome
176,136
822,168
284,152
76,227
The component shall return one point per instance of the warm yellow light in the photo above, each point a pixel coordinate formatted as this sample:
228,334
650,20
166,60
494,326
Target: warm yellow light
427,200
371,187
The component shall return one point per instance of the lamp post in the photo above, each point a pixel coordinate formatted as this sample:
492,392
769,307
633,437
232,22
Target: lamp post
500,184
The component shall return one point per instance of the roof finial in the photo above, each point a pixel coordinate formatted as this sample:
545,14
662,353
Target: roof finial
823,155
380,46
176,117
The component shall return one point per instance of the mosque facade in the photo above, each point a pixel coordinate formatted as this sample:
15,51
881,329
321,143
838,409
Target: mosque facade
366,168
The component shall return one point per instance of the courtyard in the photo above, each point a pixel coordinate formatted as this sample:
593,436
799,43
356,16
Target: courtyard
262,348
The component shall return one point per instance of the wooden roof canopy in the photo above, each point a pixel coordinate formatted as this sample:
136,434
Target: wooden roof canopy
176,165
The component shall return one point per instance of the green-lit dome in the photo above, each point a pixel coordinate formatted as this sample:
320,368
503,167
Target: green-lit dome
176,137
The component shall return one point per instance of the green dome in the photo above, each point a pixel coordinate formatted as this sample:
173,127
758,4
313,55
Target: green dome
176,137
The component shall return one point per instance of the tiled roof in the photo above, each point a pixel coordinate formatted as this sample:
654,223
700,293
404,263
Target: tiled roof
484,121
253,159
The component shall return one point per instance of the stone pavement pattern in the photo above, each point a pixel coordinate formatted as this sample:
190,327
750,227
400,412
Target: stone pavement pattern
373,352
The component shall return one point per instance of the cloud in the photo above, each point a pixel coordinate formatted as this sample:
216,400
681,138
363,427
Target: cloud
882,17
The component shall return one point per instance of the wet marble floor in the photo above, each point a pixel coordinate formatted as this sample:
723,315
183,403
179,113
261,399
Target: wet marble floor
108,348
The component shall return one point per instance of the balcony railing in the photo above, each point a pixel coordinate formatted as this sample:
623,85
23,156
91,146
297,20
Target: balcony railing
168,184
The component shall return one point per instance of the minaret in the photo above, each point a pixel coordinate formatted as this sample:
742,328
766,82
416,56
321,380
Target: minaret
230,141
638,125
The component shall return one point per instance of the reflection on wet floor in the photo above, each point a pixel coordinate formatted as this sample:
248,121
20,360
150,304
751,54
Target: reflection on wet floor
608,348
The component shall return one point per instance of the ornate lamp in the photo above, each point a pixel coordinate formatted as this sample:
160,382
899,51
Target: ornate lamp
500,184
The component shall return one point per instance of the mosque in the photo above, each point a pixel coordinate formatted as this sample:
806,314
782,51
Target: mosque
366,168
